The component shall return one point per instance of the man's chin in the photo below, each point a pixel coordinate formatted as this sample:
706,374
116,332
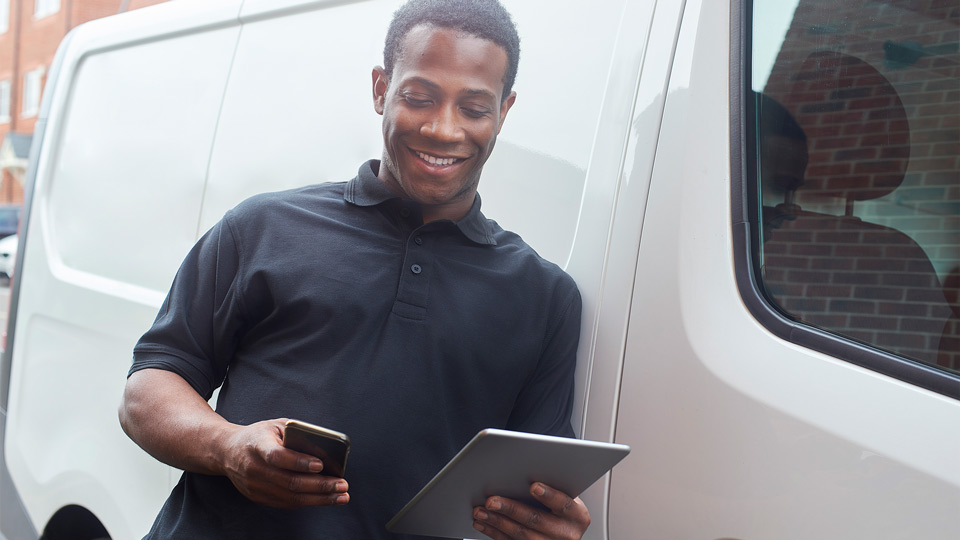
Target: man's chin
445,202
433,199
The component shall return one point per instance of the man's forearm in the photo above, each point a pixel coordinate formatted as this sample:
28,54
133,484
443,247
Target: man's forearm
163,414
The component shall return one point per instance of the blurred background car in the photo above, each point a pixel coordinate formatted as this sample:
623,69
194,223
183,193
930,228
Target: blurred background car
9,219
8,255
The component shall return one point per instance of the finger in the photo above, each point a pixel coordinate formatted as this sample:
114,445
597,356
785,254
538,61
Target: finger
515,520
291,460
311,483
265,441
275,496
490,531
290,490
293,481
499,527
561,504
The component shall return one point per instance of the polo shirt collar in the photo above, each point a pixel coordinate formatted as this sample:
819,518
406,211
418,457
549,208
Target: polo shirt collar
367,190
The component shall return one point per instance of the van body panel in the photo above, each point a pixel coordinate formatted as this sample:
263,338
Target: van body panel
771,440
264,9
115,203
314,123
617,185
156,197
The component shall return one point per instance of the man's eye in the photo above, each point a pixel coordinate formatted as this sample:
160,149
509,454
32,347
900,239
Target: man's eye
416,100
475,113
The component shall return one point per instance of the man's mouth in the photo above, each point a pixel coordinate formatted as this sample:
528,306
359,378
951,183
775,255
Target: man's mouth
436,160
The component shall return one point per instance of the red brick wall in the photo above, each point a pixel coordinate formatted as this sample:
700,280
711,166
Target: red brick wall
6,65
11,191
879,122
865,281
855,129
87,10
37,44
6,49
137,4
39,39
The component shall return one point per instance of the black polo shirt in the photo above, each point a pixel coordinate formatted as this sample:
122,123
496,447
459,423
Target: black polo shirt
336,305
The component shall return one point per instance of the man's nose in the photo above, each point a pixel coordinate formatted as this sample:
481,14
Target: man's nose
444,126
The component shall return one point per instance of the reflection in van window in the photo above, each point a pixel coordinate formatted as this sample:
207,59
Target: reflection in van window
858,170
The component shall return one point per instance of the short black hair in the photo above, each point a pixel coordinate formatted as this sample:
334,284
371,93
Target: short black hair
486,19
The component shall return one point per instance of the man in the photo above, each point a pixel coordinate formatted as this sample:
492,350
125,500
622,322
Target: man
386,307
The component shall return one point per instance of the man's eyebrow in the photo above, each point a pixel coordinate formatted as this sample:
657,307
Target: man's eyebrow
480,92
425,82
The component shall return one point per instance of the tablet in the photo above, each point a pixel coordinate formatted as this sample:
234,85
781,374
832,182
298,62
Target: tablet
505,463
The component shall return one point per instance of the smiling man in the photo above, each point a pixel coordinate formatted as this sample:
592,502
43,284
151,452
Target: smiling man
387,307
441,116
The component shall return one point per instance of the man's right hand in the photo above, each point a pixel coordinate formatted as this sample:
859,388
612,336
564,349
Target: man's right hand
266,472
163,414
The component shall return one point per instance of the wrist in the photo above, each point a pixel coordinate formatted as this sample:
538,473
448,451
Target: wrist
216,446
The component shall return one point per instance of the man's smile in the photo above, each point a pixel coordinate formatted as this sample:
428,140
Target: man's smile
437,160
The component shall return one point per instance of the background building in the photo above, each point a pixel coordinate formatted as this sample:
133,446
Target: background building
30,31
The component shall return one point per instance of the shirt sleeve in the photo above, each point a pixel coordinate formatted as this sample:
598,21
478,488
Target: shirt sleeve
201,319
546,402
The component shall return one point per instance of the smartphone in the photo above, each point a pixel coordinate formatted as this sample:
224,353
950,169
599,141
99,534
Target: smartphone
332,447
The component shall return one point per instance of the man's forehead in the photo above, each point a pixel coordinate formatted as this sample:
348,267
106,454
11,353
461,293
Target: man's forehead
420,34
455,52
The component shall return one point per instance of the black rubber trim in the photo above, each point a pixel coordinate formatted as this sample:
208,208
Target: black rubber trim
742,137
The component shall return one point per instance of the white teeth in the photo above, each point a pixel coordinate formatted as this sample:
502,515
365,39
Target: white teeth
435,160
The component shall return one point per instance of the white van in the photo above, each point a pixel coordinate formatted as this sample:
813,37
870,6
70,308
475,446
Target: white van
759,200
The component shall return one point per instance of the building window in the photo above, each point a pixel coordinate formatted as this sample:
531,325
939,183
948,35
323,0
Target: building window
42,8
4,15
854,109
32,88
4,101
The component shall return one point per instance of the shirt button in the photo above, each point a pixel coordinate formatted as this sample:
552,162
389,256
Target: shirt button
418,241
416,269
404,212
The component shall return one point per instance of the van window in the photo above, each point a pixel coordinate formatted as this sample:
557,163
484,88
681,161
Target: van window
857,191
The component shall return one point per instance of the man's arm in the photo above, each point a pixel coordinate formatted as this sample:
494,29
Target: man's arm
504,519
163,414
544,406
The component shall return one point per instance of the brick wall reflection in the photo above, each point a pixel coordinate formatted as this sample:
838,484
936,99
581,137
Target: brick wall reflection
874,86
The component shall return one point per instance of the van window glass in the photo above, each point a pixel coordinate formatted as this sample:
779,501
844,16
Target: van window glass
857,108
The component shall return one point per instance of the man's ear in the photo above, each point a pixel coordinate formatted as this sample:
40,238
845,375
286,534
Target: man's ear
379,77
505,108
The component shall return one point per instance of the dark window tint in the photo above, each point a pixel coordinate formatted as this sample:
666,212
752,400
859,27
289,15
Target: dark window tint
857,144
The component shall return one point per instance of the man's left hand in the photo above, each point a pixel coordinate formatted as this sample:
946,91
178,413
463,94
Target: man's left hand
504,519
